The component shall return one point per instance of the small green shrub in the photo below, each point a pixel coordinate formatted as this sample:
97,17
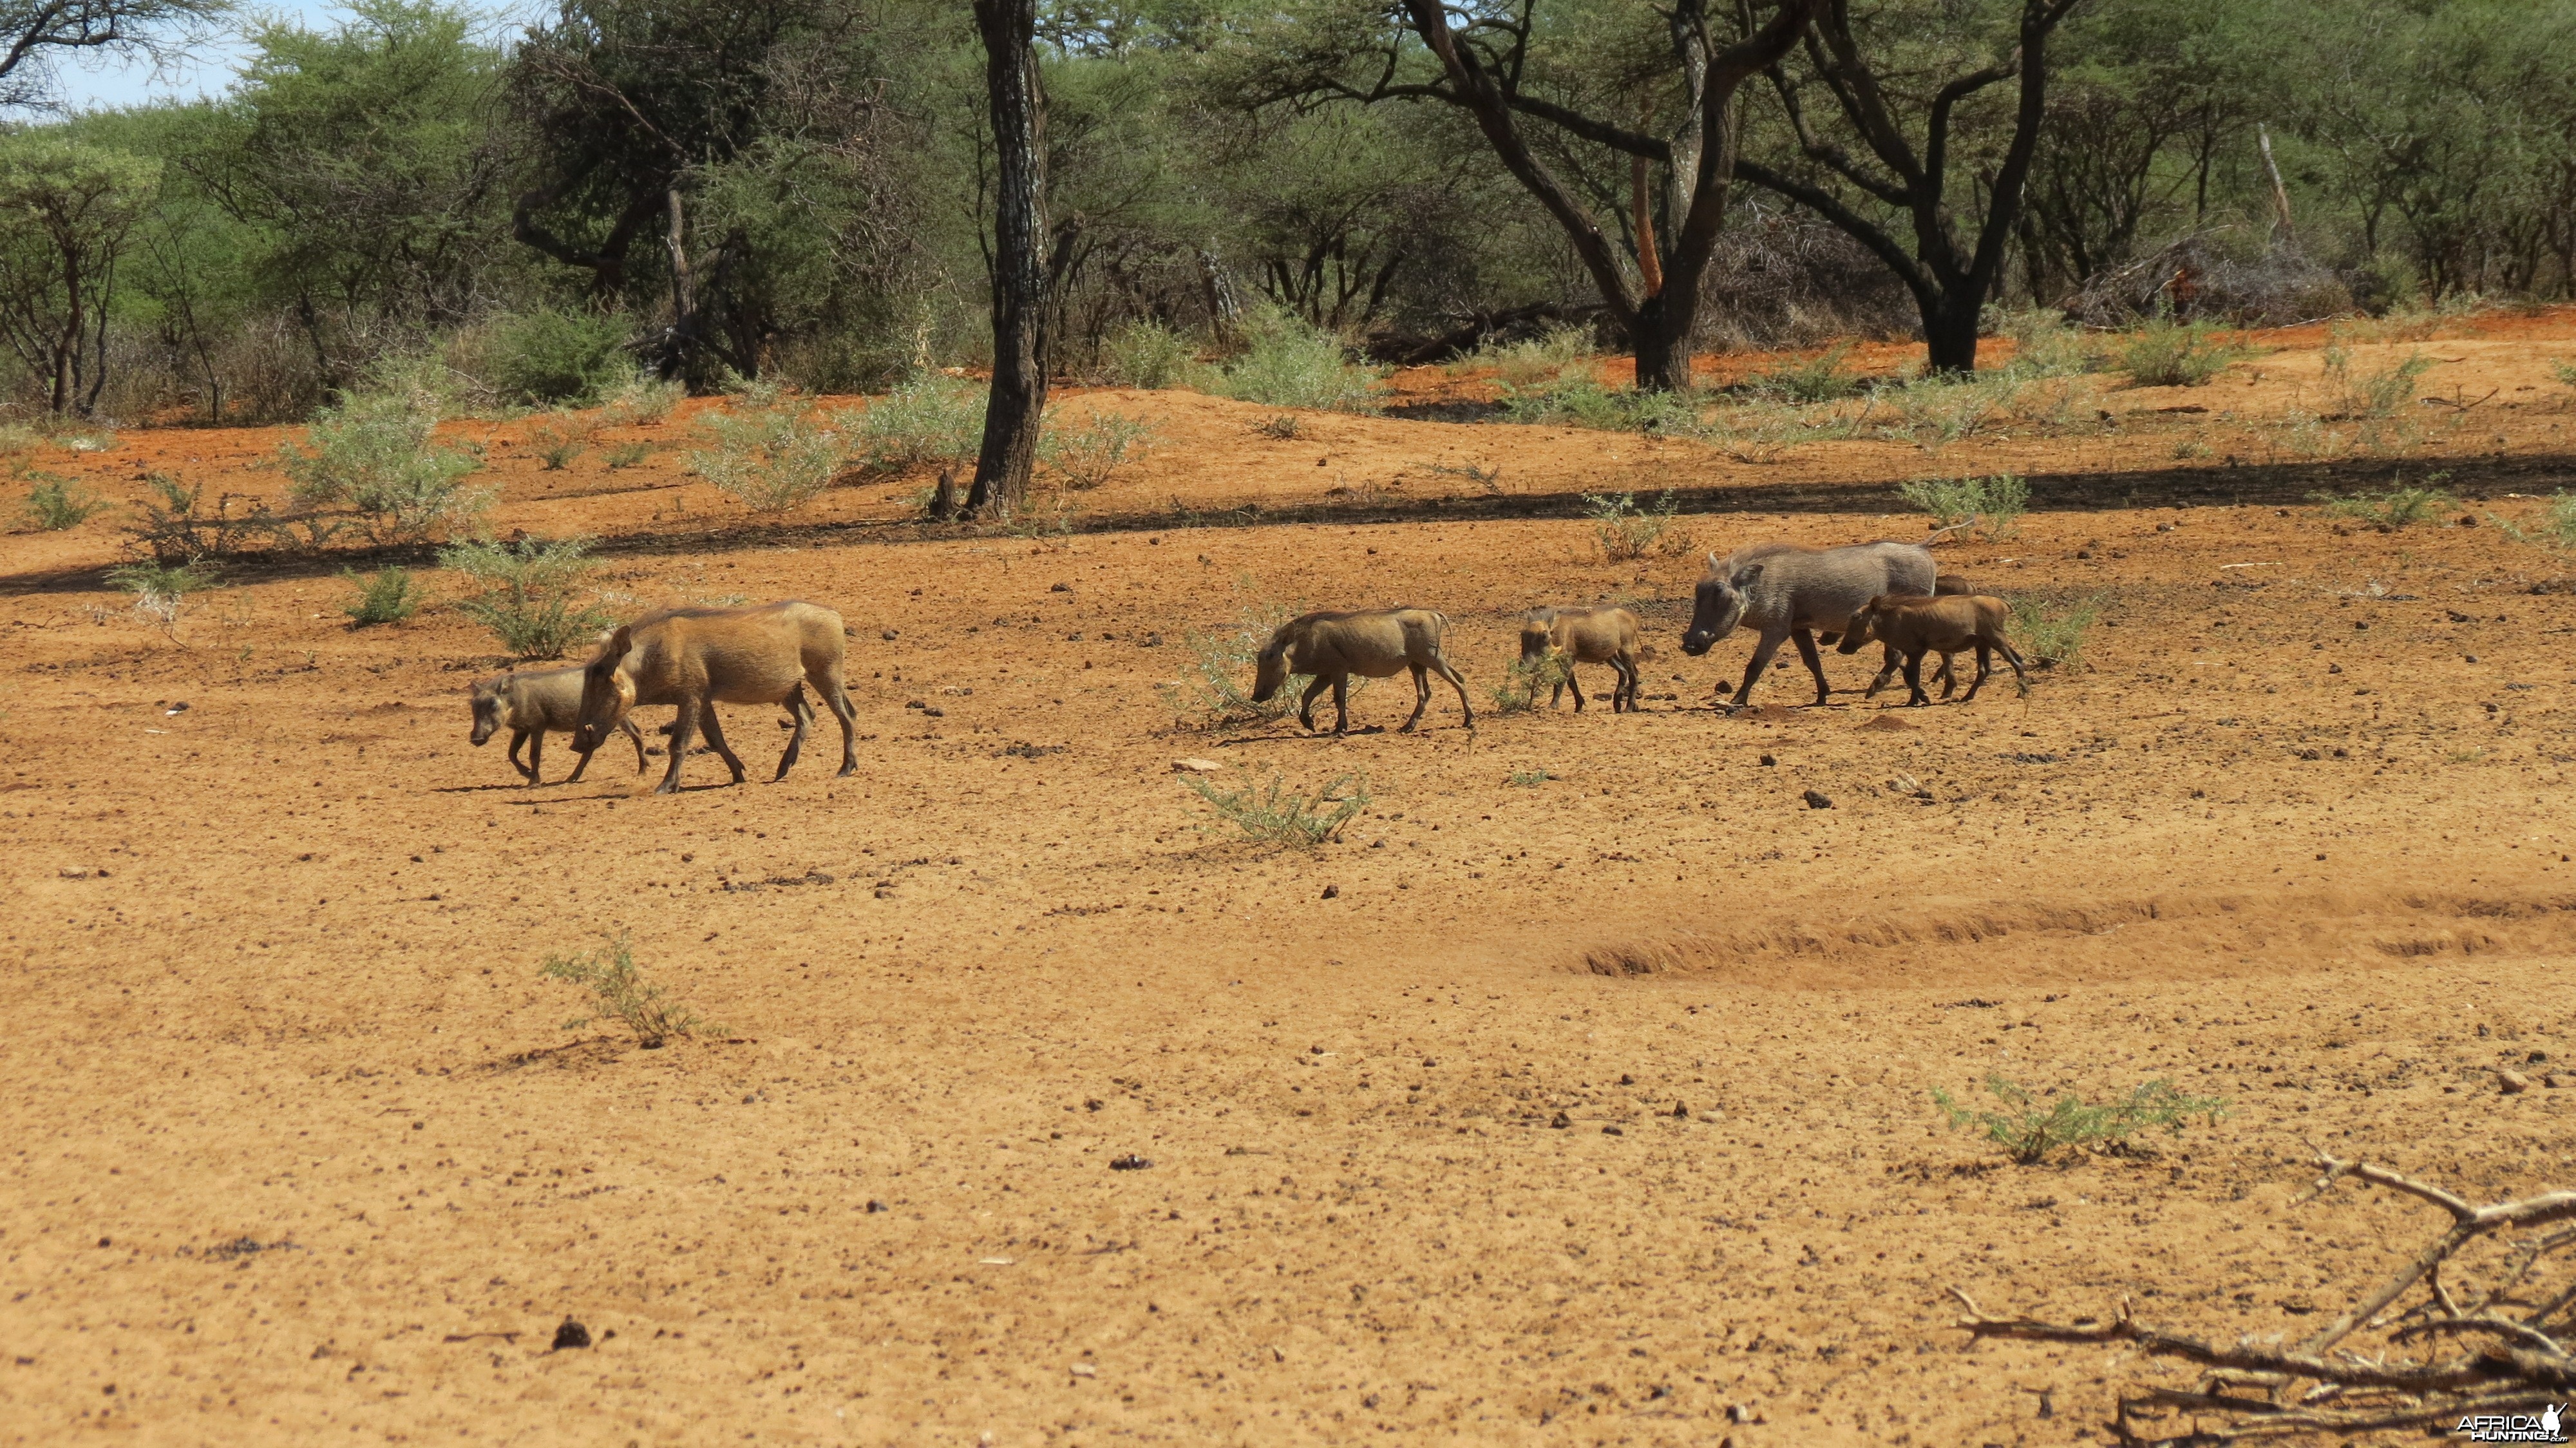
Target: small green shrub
639,399
1145,353
1996,503
2565,372
527,593
1087,454
1530,778
173,531
560,437
1526,679
622,994
1578,399
374,452
1941,408
2398,507
2029,1134
770,461
1274,814
552,356
928,419
161,591
2555,527
385,596
2384,393
2045,346
56,504
2053,638
1281,427
1627,531
1287,363
1818,379
1531,361
626,455
2169,354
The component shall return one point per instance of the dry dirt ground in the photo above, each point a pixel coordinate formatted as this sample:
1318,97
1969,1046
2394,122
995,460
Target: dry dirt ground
1586,1110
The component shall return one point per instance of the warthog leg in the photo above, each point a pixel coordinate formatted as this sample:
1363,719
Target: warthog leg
1762,652
1815,665
801,710
1440,665
683,733
1306,702
518,737
1341,703
713,728
1422,697
837,699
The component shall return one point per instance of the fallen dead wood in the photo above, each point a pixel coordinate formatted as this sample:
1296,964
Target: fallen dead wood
2498,1351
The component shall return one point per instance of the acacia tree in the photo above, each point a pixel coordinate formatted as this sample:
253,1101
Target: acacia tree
1535,120
66,211
1888,183
34,34
1017,405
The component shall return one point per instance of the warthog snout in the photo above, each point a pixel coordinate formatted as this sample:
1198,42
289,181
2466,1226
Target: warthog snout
1269,672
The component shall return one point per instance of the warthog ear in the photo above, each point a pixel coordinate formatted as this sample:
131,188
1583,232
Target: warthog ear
1713,562
617,645
1744,576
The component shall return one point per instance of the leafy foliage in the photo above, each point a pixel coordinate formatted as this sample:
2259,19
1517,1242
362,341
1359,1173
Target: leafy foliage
1274,814
2053,637
1996,503
1624,530
527,593
771,459
2398,506
383,597
1289,363
2029,1134
1087,454
553,356
2166,353
928,419
376,453
55,504
621,993
161,590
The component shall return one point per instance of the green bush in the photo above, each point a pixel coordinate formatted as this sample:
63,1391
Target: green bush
1087,454
1287,363
551,356
2555,528
527,593
1577,399
2565,372
2169,354
770,461
1819,379
619,987
1530,778
1274,814
1532,361
1627,531
2045,346
375,452
638,399
1996,503
2029,1134
1526,679
2053,638
2384,393
928,419
1145,353
56,504
2397,507
1942,408
161,590
558,438
385,596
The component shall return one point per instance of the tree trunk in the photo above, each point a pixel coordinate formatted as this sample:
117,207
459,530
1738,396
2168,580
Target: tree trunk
1950,333
1661,338
1017,403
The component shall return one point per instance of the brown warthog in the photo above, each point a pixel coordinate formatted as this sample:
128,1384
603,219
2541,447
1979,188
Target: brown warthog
1787,591
1376,643
1945,625
530,706
697,658
1605,635
1891,661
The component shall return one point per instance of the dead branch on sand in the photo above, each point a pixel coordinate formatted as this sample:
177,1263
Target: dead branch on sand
2483,1353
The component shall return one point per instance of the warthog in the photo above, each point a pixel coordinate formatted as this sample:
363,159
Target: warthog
1914,626
532,705
1891,661
697,658
1786,590
1376,643
1606,635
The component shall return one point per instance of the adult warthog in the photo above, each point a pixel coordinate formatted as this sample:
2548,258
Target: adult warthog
1376,643
697,658
1789,591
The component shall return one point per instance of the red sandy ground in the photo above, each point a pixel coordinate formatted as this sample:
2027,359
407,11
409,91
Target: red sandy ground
299,1147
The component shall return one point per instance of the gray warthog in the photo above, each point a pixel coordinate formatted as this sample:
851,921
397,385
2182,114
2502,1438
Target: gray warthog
697,658
532,705
1945,625
1605,635
1786,590
1376,643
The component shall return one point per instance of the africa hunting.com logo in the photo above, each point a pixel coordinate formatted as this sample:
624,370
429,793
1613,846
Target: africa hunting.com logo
2545,1427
